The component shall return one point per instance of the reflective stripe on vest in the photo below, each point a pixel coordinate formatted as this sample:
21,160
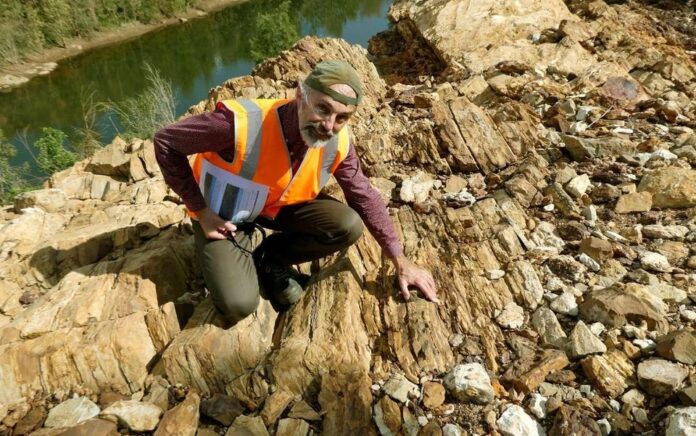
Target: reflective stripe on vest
262,156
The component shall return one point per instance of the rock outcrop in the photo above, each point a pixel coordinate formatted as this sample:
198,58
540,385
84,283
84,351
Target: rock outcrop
535,156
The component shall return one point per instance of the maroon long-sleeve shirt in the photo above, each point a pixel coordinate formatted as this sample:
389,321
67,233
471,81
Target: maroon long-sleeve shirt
214,131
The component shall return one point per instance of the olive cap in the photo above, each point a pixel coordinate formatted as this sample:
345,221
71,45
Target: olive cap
327,73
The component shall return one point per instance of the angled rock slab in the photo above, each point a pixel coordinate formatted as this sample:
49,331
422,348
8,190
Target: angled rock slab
292,427
617,305
181,420
113,355
71,412
246,426
207,357
133,415
526,375
480,34
611,373
346,403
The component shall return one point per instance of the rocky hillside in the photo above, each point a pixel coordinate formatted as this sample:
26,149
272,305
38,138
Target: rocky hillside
537,156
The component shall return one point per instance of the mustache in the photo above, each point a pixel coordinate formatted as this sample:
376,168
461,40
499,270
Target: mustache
316,127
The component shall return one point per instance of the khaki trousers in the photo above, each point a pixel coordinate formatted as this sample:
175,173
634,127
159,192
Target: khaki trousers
303,232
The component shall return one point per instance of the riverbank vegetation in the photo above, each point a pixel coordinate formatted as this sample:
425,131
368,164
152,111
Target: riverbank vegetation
139,117
28,26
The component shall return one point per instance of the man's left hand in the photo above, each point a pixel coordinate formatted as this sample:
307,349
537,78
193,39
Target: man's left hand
409,273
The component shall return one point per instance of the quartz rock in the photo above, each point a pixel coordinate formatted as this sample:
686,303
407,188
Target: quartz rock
71,412
682,422
135,415
514,421
470,383
546,324
511,317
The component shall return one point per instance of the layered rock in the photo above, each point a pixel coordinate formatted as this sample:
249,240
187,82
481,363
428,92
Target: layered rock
522,177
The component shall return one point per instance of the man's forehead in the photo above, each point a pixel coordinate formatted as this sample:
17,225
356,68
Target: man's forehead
337,106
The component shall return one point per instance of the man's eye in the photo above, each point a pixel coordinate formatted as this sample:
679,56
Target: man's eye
323,110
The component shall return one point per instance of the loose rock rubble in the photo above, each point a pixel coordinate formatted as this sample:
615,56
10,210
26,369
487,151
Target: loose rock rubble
537,156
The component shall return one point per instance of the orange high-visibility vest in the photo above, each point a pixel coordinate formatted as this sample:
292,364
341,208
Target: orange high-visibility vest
261,156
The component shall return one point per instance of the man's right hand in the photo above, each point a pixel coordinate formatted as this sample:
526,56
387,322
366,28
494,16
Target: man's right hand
213,226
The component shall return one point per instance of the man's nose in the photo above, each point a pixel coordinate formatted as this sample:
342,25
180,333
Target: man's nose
329,123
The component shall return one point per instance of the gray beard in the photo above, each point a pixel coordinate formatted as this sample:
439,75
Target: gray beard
311,141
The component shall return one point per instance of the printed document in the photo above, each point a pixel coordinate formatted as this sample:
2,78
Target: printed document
234,198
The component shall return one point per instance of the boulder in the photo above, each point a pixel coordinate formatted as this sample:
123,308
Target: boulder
71,412
387,415
679,345
660,377
134,415
616,305
597,249
182,419
470,383
610,373
634,202
400,389
671,187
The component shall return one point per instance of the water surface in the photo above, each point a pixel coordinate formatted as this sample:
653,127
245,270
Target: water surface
194,56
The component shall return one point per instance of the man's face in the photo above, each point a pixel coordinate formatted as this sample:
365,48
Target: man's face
320,116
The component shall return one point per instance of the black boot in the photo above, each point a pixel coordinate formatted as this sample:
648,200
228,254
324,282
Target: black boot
284,285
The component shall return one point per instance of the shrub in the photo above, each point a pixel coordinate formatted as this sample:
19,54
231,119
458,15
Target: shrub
155,107
53,156
12,180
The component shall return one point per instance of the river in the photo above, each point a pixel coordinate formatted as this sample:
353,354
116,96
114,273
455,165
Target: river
194,56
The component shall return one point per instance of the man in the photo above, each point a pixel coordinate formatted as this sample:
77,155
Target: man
263,162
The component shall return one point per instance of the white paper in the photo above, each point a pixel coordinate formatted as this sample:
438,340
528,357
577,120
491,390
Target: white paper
232,197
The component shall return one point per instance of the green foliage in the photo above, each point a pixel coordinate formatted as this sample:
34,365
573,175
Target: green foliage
143,115
30,25
279,32
53,156
12,181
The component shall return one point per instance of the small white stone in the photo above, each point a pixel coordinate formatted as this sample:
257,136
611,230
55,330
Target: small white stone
687,314
537,405
590,213
514,421
586,389
565,304
622,130
583,112
597,328
663,154
578,127
655,262
578,185
511,317
590,263
422,421
451,430
401,389
604,426
549,207
615,405
645,345
495,274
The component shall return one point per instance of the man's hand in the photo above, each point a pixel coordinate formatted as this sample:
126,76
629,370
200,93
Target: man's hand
409,273
213,226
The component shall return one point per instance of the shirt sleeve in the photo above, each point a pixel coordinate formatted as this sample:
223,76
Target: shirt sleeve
366,200
211,131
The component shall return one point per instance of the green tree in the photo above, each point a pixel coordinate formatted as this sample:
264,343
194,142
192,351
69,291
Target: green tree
53,156
276,32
